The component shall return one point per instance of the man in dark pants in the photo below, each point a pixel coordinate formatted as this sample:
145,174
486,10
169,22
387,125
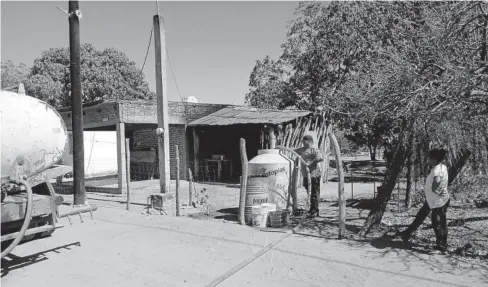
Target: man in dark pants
312,157
436,200
439,223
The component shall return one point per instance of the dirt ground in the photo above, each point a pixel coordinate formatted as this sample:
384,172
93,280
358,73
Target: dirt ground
120,248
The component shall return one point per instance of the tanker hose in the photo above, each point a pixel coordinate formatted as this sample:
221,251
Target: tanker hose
27,219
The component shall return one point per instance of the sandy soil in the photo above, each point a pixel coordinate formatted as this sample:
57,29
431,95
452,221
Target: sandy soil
122,248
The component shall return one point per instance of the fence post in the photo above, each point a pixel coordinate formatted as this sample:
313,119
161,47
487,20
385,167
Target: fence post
352,182
190,179
242,198
127,168
177,194
340,173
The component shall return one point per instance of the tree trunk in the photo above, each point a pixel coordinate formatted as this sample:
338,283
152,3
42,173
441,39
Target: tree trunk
393,171
372,152
460,162
410,173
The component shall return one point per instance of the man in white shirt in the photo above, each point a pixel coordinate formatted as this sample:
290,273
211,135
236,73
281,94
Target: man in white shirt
436,200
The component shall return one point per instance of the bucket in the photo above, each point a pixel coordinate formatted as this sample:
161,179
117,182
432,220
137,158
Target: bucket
278,218
256,194
269,207
259,215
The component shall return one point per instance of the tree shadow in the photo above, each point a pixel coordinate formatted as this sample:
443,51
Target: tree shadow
358,179
12,262
409,253
228,214
360,203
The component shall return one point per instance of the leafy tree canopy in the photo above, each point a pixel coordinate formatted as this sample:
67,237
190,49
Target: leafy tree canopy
104,74
13,75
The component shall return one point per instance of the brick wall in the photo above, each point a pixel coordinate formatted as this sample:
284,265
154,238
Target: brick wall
147,139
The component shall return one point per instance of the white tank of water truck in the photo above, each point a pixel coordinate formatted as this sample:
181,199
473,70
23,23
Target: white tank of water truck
33,136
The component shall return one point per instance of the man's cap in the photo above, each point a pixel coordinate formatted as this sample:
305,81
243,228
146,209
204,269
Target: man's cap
308,138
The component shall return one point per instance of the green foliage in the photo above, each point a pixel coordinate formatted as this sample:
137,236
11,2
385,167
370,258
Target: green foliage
202,199
376,65
13,75
104,74
268,86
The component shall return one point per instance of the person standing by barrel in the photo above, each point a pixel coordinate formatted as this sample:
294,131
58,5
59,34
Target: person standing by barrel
312,156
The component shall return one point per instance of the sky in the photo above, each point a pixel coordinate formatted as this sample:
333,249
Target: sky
212,46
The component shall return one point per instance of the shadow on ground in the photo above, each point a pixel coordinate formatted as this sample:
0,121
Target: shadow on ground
326,227
228,214
12,262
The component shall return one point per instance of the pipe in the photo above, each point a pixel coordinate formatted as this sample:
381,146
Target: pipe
301,160
27,219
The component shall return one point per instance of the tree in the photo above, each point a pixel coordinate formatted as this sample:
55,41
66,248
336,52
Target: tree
104,74
369,133
269,87
13,75
419,67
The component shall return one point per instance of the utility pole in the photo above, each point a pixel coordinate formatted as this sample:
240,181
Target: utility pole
76,105
162,102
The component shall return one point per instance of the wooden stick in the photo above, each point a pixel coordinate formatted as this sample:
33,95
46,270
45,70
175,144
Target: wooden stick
340,172
190,179
242,199
127,167
177,190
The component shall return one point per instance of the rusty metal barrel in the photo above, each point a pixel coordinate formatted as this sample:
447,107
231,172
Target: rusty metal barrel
256,194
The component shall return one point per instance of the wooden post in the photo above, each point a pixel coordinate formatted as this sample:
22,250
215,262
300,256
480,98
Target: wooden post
296,184
190,179
325,152
121,158
162,102
177,190
127,164
77,107
352,181
340,172
195,151
272,138
242,199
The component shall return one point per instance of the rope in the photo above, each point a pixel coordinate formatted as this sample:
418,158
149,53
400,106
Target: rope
174,76
148,47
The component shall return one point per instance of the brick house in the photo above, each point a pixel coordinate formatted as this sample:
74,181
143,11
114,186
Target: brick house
200,131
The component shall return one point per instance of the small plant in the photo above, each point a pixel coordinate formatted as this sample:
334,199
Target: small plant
202,200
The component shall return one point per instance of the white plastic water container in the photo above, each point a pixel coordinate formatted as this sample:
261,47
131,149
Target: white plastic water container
259,216
275,170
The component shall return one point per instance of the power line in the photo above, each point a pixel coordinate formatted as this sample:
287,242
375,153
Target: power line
148,47
174,76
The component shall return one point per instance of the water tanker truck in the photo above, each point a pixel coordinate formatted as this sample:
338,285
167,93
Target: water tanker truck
33,138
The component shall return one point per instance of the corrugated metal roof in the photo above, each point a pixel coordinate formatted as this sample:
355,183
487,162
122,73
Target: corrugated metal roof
236,115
